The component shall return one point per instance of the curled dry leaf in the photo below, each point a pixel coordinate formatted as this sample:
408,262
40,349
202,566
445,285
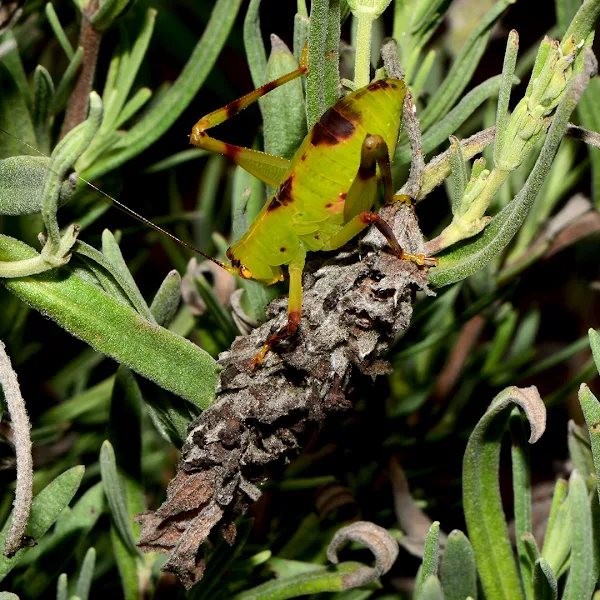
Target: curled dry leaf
334,497
244,322
10,11
383,546
224,285
415,524
354,306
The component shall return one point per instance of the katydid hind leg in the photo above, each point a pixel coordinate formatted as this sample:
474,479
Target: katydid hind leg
268,168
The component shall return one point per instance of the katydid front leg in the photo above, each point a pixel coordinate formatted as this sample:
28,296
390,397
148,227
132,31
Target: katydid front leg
294,309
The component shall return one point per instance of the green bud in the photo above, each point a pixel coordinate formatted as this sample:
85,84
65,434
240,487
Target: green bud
530,126
478,167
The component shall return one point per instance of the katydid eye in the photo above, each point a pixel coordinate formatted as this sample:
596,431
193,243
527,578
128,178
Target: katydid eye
245,272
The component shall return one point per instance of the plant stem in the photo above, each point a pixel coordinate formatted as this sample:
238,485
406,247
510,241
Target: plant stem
89,40
22,440
465,226
362,63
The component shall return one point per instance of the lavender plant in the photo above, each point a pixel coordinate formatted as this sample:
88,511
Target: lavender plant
402,355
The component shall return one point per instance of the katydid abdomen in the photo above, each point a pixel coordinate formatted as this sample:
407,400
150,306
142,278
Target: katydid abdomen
308,207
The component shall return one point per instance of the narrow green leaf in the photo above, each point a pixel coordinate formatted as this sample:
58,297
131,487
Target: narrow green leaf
215,308
595,345
481,495
440,334
133,106
591,412
557,538
170,415
508,71
15,118
505,331
59,32
580,451
581,579
14,64
177,159
62,587
583,22
431,557
43,102
107,12
51,556
522,496
256,55
565,11
86,574
589,113
284,567
129,62
64,85
545,586
115,496
320,580
167,299
532,552
127,563
595,507
115,329
117,268
125,427
45,509
460,177
458,572
283,109
126,436
301,26
322,79
95,398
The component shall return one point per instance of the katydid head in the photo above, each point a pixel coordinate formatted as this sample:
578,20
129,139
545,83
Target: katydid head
248,265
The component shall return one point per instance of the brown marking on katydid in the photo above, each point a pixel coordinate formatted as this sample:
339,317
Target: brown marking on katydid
366,173
380,84
231,151
332,128
283,196
233,108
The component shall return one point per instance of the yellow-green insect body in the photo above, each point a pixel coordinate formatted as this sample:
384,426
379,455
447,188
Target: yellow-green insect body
324,194
309,206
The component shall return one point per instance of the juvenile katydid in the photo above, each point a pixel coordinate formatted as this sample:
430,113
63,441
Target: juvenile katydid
324,194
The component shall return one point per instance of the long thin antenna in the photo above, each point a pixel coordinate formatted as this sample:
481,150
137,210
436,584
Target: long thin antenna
126,208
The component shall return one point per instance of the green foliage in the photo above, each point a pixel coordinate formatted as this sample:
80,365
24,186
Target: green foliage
68,132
